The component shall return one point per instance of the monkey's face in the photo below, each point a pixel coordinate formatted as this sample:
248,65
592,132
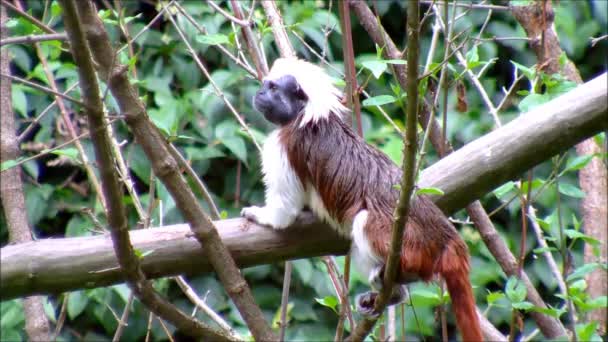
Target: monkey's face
280,100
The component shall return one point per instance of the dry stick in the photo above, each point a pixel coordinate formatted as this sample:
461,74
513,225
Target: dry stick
165,167
285,300
49,150
178,157
550,326
27,16
62,315
408,167
199,303
254,49
33,38
199,185
43,88
216,88
352,97
340,287
123,319
322,59
236,20
546,252
220,47
116,212
470,6
12,195
286,50
463,61
70,88
37,119
278,29
125,32
71,130
593,178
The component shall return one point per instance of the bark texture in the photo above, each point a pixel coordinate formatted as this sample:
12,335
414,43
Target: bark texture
537,20
11,189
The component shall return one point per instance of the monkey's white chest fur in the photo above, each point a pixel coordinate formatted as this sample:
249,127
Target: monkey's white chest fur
286,196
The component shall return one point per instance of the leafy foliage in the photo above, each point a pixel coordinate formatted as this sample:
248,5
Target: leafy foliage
185,106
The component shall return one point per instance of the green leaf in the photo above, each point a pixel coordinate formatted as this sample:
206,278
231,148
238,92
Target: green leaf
515,290
376,67
551,311
578,162
531,101
586,331
530,73
493,297
70,152
276,319
329,301
504,189
237,146
526,306
575,234
395,61
19,100
544,249
378,100
425,297
140,255
77,302
7,164
582,271
472,57
223,214
429,191
571,190
304,270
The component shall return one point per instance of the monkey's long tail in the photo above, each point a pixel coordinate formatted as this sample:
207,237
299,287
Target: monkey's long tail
454,268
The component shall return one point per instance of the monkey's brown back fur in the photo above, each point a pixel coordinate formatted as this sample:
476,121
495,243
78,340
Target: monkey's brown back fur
349,176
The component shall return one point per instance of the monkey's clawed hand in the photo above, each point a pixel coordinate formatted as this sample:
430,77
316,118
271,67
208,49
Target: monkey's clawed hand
365,304
252,214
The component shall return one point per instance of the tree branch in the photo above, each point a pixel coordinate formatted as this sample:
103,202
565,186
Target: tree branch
112,191
465,175
410,145
11,188
165,168
593,178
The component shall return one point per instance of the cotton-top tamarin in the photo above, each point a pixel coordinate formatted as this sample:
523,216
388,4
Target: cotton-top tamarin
315,159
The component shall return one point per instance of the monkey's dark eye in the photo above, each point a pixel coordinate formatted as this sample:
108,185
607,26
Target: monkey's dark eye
272,85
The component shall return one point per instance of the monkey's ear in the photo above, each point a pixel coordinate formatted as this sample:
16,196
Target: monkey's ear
300,94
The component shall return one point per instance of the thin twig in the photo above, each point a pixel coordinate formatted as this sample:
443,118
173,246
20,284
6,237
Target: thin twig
37,119
471,5
50,150
62,315
254,49
33,38
240,22
43,88
27,16
199,185
199,303
123,318
216,88
285,300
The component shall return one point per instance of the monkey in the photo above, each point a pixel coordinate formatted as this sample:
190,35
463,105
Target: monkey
315,160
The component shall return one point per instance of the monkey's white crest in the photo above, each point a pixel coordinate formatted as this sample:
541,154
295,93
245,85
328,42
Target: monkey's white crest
323,97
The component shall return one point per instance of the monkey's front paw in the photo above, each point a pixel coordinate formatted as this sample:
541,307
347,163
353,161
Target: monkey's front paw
252,214
365,304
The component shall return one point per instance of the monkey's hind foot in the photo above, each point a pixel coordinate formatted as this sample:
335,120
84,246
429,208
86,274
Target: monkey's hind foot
365,304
